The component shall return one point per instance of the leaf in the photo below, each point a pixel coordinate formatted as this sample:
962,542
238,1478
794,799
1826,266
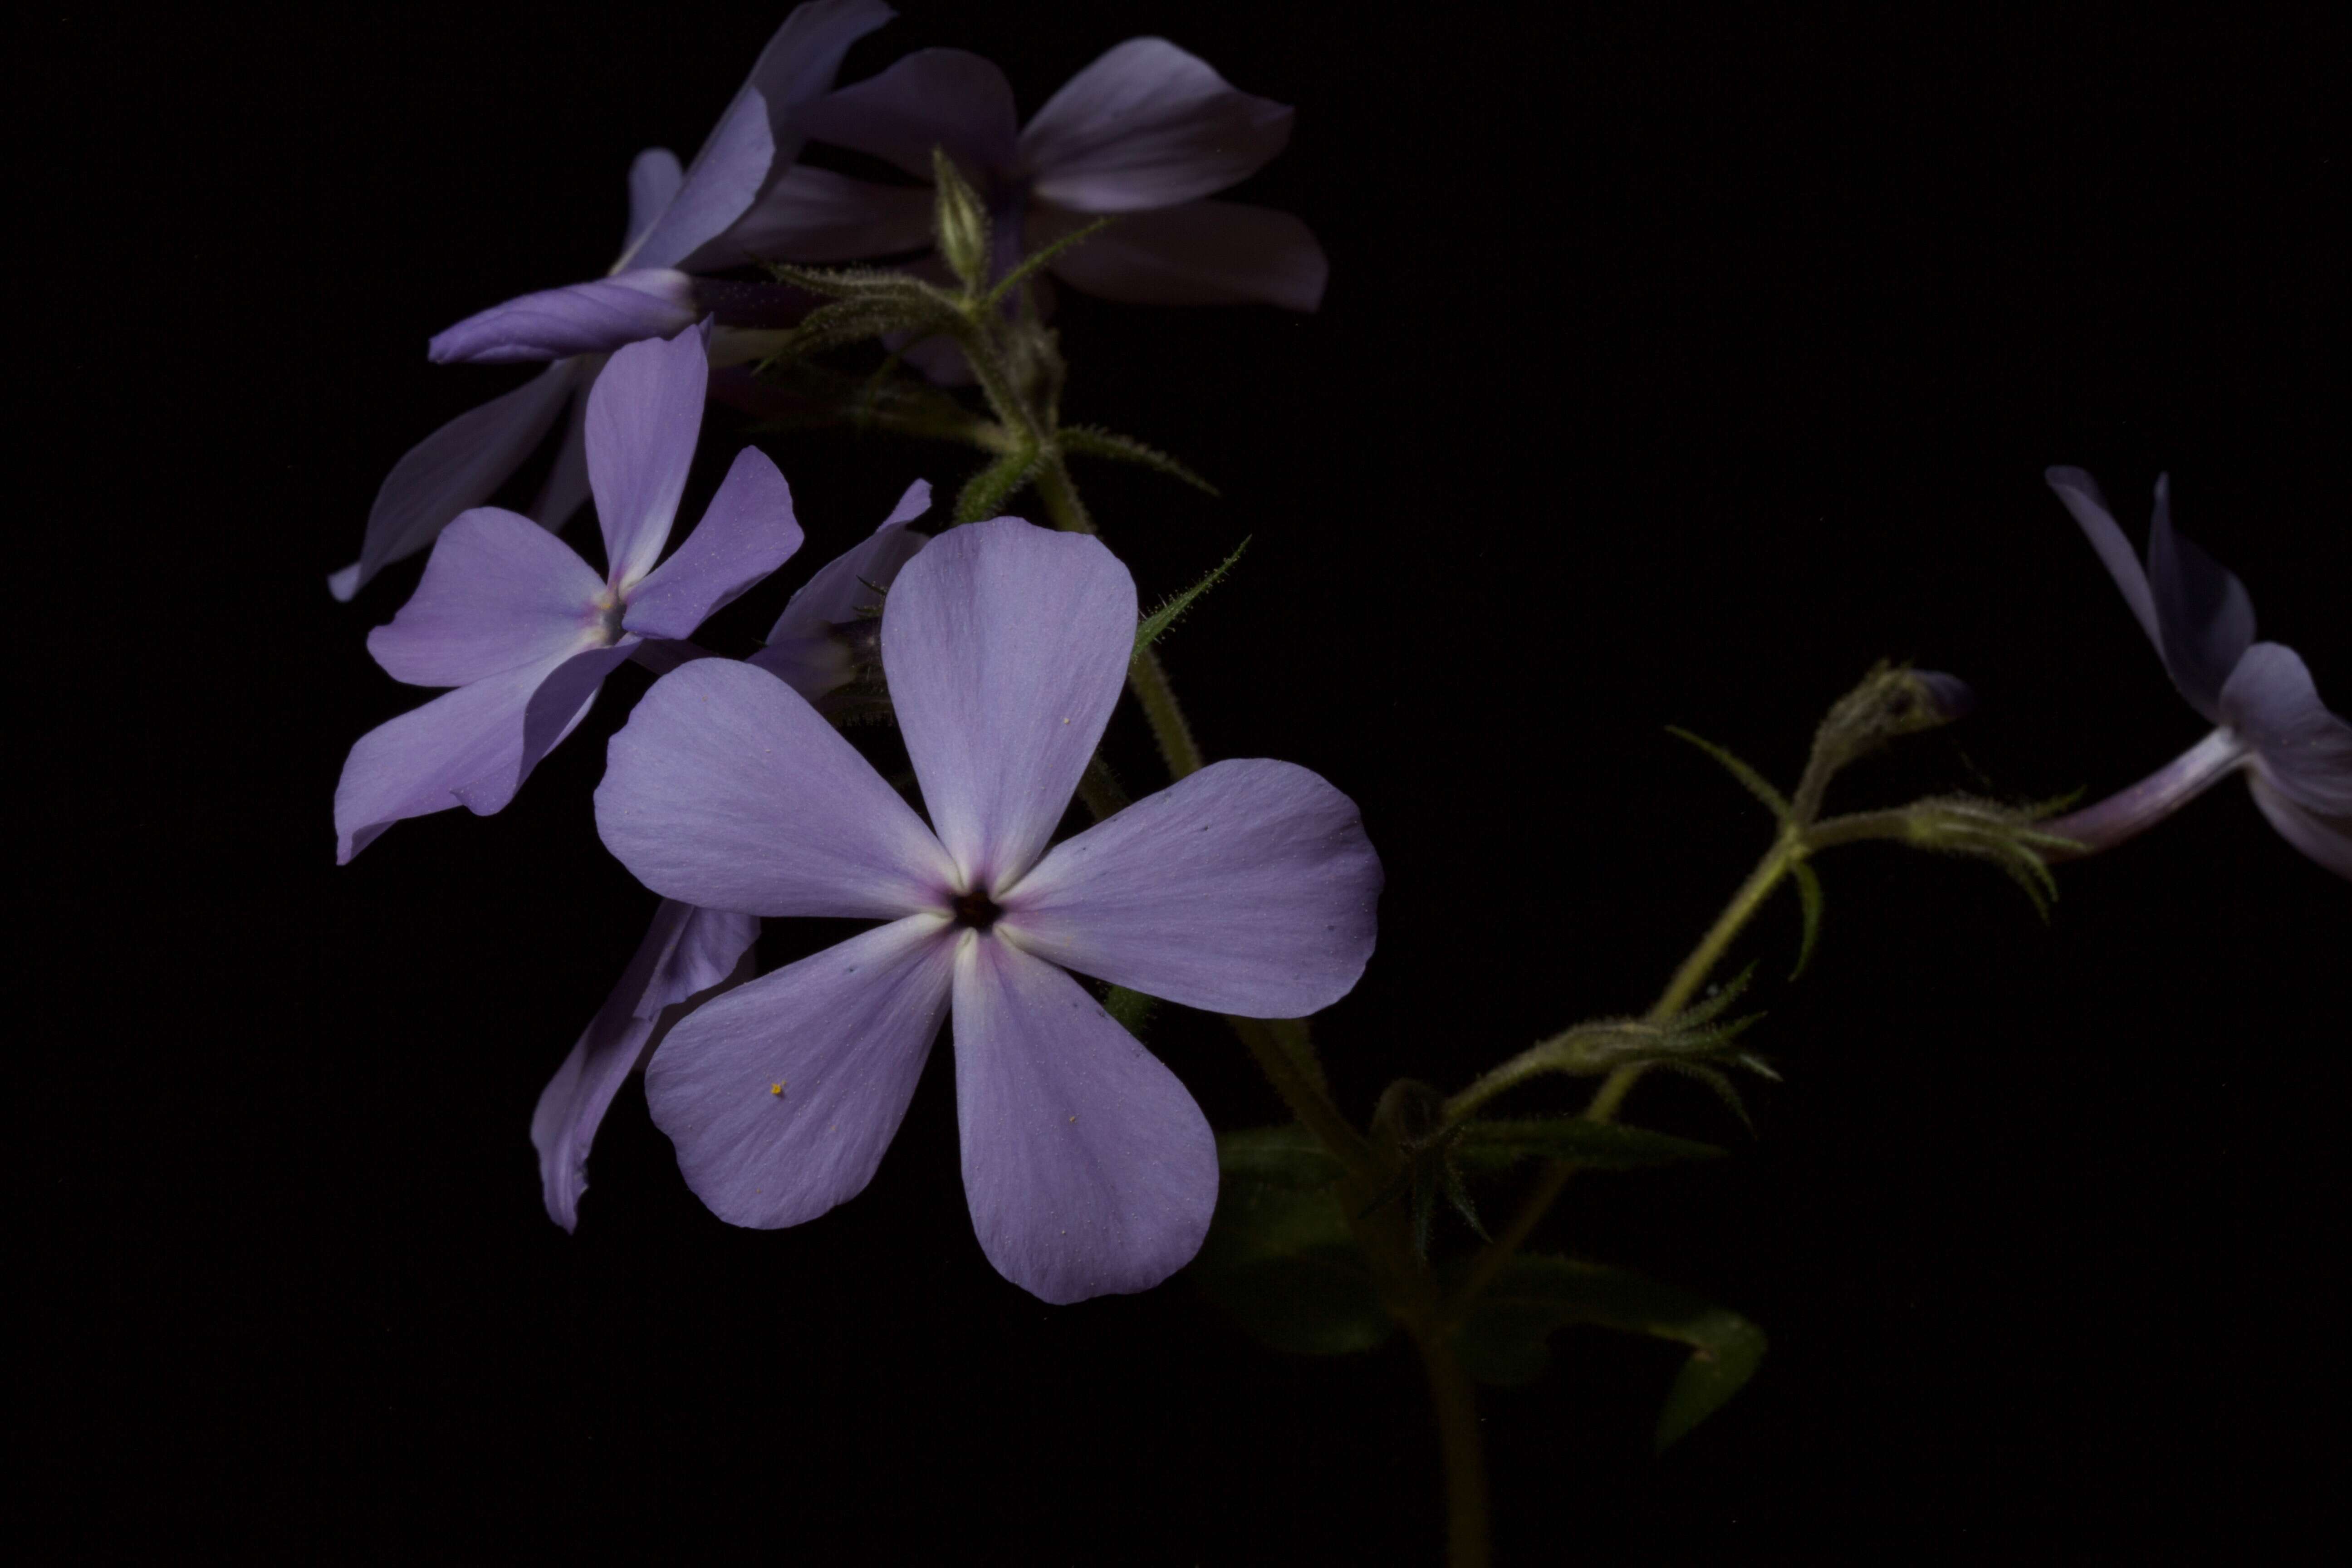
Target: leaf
1505,1340
1808,890
854,321
1596,1145
984,494
1161,619
1280,1258
1093,441
1037,259
1748,777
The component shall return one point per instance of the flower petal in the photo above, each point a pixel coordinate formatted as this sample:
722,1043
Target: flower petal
1005,645
2302,749
416,764
565,489
747,533
653,181
553,711
580,318
2327,840
498,591
1090,1170
644,414
727,790
1203,253
803,651
455,469
2080,492
932,98
1247,888
2203,612
1148,125
687,951
781,1095
815,215
719,185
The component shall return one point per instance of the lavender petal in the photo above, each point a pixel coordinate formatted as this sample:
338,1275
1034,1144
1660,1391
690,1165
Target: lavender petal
581,318
2327,840
653,181
552,712
1148,125
644,414
415,764
932,98
747,533
815,215
1203,253
2202,613
2080,492
500,591
2302,750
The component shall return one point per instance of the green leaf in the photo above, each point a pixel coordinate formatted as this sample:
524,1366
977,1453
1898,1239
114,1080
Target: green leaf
1506,1339
1131,1009
1753,781
1597,1145
1093,441
855,320
1037,259
1808,890
984,494
1161,619
1279,1257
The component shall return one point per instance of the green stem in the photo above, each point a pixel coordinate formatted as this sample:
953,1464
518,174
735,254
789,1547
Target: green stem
1468,1535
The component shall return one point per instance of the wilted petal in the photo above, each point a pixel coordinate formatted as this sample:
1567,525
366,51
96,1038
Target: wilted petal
455,469
688,951
644,414
416,763
553,711
781,1095
1004,647
2080,492
1247,886
500,591
747,533
2327,840
653,181
1148,125
815,215
1203,253
2302,749
932,98
725,789
580,318
1090,1170
2201,610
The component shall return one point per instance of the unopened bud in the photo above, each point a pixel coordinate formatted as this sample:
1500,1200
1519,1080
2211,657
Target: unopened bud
960,221
1893,701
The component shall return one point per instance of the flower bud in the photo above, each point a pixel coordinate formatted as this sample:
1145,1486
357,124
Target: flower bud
961,222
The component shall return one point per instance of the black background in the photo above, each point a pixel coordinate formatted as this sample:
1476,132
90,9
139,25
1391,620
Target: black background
1671,370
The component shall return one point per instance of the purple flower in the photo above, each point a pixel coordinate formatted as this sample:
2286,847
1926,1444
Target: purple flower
1246,888
2268,717
688,950
678,221
527,631
1145,133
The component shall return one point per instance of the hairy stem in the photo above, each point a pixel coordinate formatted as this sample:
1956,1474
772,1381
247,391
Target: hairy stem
1468,1536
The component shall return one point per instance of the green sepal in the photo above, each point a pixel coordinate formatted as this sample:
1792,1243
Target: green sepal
1159,620
1504,1340
1749,779
875,283
1988,830
984,494
1280,1258
1809,893
1038,260
1596,1145
854,321
1093,441
1132,1010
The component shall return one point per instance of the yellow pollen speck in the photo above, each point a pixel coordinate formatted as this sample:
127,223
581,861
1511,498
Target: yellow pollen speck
776,1089
1074,1119
1065,721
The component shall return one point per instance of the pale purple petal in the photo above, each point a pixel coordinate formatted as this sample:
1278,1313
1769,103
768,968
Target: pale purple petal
747,533
2080,492
565,489
644,414
455,469
580,318
782,1095
1090,1170
727,790
815,215
687,951
416,764
1203,253
653,181
804,651
500,591
1004,647
553,711
2327,840
932,98
2202,613
1148,125
1247,888
2302,749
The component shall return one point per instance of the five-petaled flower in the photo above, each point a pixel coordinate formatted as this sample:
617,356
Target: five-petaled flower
527,631
678,223
2267,716
1246,888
